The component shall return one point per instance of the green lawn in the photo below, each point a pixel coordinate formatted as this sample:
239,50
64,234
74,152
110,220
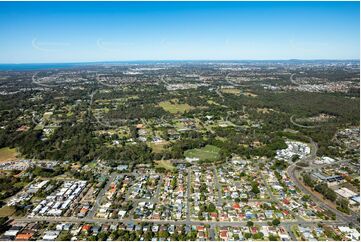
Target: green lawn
6,211
158,147
234,91
166,164
213,102
175,107
92,164
39,127
209,152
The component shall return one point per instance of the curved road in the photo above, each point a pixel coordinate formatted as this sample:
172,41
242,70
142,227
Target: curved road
292,80
219,93
106,125
291,172
302,126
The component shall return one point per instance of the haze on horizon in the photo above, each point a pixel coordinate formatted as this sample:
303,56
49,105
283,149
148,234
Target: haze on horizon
53,32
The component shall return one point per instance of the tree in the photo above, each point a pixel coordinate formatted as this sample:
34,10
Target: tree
102,236
192,235
164,234
174,237
258,236
326,191
244,199
276,222
279,164
343,205
211,208
64,236
148,236
308,180
330,194
92,238
295,158
250,223
247,235
4,225
272,237
255,188
305,197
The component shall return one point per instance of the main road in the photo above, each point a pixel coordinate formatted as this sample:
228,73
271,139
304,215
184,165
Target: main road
292,80
302,126
175,222
291,172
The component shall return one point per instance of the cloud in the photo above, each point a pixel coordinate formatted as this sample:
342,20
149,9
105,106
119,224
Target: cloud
49,46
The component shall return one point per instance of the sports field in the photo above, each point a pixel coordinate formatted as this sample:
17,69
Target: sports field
209,152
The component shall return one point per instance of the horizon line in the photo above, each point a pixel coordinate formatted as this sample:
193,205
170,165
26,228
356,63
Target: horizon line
175,60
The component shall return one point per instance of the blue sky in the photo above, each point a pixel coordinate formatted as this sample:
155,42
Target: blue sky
41,32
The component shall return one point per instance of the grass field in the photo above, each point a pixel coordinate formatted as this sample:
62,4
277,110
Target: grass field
7,154
209,152
166,164
39,127
249,94
92,164
175,107
158,147
234,91
213,102
6,211
69,114
47,115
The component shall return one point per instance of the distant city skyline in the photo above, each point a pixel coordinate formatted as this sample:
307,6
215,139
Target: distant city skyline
63,32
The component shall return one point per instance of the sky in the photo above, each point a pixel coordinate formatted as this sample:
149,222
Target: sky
55,32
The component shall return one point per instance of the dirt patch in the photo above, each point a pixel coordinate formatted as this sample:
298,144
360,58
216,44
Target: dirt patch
8,154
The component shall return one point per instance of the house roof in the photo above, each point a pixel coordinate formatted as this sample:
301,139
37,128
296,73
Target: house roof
236,206
223,234
24,236
86,227
214,215
200,228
